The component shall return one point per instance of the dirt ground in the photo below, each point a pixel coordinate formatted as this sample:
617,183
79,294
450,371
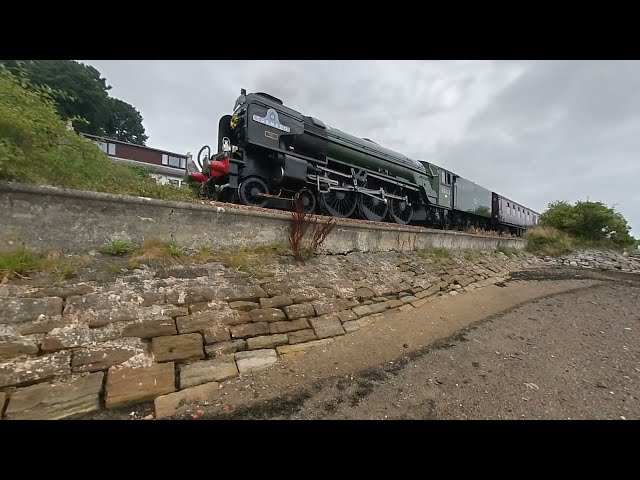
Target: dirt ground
551,343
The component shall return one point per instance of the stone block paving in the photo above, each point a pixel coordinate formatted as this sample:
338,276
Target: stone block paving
171,339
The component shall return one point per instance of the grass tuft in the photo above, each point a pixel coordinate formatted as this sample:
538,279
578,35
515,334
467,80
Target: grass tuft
155,249
117,247
472,255
174,250
253,261
438,255
508,251
23,262
19,263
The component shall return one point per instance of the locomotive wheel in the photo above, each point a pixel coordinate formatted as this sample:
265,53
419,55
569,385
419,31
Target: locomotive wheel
307,199
250,189
399,211
372,208
338,203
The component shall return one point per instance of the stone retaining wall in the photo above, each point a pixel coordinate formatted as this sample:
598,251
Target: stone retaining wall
601,260
171,335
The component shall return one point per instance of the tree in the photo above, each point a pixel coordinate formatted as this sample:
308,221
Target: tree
125,123
81,95
591,221
560,215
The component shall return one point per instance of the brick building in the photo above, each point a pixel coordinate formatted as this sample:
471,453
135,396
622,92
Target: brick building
165,167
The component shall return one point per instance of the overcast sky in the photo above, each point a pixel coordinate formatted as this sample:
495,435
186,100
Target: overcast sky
535,131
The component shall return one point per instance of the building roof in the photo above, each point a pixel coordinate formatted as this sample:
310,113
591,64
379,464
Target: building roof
113,140
152,167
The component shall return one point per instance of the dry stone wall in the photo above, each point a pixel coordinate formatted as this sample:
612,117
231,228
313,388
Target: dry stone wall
170,335
601,260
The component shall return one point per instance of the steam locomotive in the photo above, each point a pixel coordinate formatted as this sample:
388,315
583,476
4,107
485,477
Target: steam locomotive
269,155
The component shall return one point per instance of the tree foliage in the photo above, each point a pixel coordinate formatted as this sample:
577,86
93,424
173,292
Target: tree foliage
589,221
37,147
81,95
125,123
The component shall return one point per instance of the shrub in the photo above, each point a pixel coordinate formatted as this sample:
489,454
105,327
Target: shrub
548,241
306,235
593,223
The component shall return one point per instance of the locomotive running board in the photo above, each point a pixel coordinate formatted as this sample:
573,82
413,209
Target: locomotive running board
317,178
379,194
334,185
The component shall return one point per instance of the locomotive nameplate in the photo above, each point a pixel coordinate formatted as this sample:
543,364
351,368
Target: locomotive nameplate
271,135
271,119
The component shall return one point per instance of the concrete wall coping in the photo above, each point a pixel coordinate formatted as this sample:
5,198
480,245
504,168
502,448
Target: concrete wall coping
136,200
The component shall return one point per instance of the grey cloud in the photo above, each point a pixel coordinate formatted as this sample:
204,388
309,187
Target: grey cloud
562,130
535,131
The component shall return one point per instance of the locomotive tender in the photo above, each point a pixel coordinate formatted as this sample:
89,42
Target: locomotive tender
268,154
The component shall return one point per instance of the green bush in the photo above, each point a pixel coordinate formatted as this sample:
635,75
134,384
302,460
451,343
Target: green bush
548,241
592,223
